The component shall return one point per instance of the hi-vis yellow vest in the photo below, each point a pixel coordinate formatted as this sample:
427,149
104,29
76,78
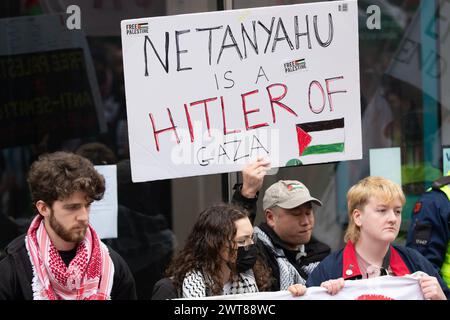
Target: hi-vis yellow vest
445,269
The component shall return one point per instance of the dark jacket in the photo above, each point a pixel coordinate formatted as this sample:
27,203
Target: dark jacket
248,204
343,263
429,232
315,250
16,274
164,289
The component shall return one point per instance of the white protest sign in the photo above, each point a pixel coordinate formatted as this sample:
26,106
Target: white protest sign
379,288
207,92
103,214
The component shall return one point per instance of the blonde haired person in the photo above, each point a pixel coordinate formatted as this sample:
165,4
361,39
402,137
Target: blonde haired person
374,212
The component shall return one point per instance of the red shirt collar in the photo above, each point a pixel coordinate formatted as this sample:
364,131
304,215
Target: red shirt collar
350,266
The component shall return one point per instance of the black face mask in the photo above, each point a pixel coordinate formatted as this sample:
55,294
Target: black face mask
246,258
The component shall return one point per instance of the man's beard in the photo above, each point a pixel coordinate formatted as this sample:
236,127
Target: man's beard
67,235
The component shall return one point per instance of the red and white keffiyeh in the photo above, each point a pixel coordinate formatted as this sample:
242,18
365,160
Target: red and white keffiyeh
89,275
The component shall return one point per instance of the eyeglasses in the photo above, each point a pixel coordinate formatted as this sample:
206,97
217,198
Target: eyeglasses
246,241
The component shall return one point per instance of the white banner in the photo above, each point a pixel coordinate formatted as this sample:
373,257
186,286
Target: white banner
379,288
208,92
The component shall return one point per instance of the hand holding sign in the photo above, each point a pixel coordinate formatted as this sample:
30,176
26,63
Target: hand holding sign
333,286
253,177
431,288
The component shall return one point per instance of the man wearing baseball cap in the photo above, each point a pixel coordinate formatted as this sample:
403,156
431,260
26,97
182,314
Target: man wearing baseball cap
285,238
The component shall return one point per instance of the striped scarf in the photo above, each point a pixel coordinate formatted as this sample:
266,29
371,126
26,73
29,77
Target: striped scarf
89,275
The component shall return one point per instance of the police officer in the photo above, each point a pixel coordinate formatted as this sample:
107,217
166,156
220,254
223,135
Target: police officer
429,232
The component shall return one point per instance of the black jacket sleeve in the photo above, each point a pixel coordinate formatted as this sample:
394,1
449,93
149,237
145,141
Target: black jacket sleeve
164,289
7,282
247,204
15,272
124,287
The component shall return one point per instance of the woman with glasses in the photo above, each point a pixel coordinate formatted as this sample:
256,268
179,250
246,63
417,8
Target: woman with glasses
220,257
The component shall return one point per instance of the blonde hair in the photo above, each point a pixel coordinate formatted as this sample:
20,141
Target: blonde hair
358,196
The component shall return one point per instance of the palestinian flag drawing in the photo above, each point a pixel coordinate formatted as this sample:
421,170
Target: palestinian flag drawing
320,137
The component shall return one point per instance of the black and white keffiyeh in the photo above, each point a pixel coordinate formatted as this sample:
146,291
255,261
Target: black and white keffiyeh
288,274
244,284
194,285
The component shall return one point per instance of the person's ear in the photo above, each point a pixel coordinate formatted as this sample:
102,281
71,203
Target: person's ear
43,208
270,218
357,217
